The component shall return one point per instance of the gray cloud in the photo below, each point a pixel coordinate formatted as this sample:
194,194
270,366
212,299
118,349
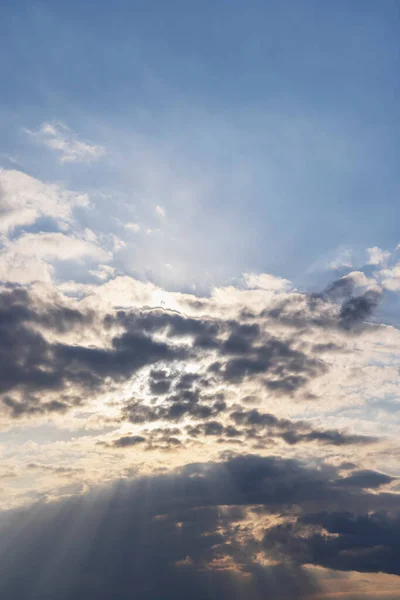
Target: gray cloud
339,306
167,535
294,432
31,364
365,543
128,440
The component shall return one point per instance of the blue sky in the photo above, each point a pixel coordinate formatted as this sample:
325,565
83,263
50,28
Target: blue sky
285,113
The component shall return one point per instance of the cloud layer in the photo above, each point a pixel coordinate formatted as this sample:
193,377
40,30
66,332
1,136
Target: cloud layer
237,430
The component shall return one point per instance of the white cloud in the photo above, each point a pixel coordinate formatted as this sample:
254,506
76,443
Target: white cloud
132,226
24,199
29,257
362,281
390,278
103,273
265,281
160,211
58,137
23,269
377,256
56,246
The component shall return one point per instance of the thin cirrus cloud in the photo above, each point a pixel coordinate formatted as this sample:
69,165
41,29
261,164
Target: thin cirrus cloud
65,143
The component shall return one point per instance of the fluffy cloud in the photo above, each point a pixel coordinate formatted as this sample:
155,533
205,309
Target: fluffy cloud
265,281
376,255
24,199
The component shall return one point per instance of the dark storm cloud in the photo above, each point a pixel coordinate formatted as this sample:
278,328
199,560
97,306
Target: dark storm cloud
356,310
339,290
286,385
162,438
159,387
289,368
176,536
331,436
159,382
241,338
340,305
293,432
128,440
32,404
63,319
159,537
129,352
250,424
172,409
366,479
30,364
203,331
186,381
209,428
243,352
367,543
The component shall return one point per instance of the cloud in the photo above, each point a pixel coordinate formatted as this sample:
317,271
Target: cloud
56,246
184,373
128,440
377,256
340,540
292,432
44,372
264,281
390,277
346,304
288,368
356,310
31,364
366,479
24,199
28,258
196,531
58,137
23,269
132,226
159,382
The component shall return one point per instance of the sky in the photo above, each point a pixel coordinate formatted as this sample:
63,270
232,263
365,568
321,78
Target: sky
199,300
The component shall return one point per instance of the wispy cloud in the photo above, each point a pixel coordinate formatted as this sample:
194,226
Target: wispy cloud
61,139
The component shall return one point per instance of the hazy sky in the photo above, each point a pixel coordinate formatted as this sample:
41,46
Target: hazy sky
199,300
